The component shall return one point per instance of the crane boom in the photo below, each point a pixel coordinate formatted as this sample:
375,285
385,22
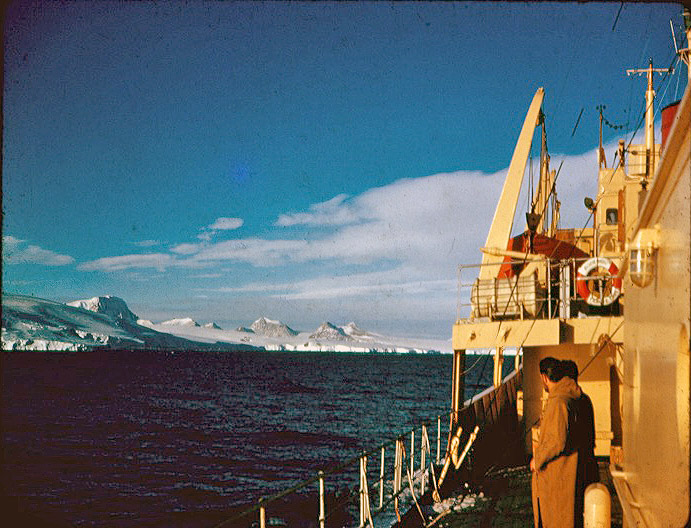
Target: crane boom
500,230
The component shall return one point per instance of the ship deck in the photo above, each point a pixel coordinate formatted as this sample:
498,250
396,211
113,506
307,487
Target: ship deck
503,500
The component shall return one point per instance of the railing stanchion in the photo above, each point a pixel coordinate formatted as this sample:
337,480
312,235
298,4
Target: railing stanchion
412,452
549,289
381,479
438,438
322,516
262,514
398,462
362,495
424,441
365,511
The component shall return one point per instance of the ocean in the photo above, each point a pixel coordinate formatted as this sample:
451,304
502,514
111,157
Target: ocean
130,439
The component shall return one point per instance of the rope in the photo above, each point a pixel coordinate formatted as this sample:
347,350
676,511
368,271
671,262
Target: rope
412,492
474,365
365,493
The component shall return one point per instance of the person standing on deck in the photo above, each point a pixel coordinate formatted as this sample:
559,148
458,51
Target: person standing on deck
555,463
585,440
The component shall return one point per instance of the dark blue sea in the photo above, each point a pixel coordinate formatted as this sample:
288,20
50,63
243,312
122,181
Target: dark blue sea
130,439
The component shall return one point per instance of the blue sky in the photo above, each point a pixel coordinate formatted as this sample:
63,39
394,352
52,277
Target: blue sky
302,161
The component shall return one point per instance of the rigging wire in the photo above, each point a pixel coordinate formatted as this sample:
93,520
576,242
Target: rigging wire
577,122
662,97
618,13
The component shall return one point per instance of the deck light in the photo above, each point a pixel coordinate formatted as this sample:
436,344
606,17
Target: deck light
642,256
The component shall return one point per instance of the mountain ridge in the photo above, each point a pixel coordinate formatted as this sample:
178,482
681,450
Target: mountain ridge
29,323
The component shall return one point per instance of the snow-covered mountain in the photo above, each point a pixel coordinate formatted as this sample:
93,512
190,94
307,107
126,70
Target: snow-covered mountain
38,324
352,330
269,328
108,305
331,332
29,323
183,321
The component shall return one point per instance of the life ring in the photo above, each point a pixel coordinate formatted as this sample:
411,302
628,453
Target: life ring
608,274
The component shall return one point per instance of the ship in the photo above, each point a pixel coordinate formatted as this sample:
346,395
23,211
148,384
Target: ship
613,295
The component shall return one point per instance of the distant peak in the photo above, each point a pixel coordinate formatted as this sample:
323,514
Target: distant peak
352,329
271,328
184,321
108,305
330,331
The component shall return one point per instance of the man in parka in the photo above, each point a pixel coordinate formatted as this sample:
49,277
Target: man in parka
555,462
585,441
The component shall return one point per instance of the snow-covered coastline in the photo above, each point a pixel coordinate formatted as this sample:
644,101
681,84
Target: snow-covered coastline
29,323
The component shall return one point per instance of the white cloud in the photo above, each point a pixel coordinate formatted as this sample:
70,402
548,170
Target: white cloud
147,243
207,276
159,261
222,224
14,251
429,224
256,251
405,239
390,283
333,212
10,242
186,249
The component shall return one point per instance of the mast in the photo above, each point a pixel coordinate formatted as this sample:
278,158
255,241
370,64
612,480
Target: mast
649,116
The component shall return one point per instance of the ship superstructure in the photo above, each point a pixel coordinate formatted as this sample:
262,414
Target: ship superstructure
613,296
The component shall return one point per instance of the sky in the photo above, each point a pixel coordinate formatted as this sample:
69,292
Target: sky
306,162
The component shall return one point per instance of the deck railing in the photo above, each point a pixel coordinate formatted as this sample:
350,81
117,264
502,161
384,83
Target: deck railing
388,481
552,293
403,476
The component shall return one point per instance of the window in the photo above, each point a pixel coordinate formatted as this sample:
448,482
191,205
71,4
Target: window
612,216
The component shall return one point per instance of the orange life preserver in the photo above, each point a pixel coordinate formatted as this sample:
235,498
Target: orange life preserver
610,292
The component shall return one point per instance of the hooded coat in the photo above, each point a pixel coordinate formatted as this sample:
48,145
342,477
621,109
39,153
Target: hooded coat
554,481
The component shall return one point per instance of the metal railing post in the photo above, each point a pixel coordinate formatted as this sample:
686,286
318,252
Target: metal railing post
438,438
549,289
381,479
362,495
365,511
322,516
397,467
424,441
262,514
412,452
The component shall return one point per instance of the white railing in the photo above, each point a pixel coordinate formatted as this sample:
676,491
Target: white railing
398,483
554,295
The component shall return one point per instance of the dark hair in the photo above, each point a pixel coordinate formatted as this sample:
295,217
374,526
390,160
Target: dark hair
551,368
570,369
